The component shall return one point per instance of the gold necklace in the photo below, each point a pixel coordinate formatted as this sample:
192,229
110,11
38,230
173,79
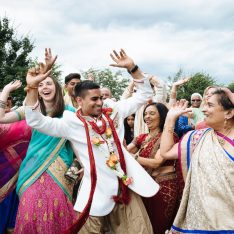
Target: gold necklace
221,139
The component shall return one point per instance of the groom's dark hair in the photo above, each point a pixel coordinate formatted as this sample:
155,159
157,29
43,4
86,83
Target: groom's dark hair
82,88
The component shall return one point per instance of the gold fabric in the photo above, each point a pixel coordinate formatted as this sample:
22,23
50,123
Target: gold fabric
4,190
42,167
127,219
208,198
56,170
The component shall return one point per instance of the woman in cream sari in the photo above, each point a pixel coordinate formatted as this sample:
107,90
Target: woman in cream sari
206,158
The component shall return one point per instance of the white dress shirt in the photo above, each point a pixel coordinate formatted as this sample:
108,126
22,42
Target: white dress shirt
71,128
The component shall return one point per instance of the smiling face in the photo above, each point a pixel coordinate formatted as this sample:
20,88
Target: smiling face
151,117
46,90
91,103
214,113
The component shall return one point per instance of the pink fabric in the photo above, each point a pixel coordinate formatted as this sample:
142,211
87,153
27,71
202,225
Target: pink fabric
14,132
201,125
44,208
14,142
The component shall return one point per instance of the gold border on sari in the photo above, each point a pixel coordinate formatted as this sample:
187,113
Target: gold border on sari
4,190
57,170
42,167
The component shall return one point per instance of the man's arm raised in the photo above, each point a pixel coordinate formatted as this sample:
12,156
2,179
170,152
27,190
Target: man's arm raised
141,81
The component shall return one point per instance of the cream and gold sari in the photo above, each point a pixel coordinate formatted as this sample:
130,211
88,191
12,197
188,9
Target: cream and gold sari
207,204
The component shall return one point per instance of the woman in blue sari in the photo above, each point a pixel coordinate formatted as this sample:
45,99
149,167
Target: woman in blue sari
45,195
206,157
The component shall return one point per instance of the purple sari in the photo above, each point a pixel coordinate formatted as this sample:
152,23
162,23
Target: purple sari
14,142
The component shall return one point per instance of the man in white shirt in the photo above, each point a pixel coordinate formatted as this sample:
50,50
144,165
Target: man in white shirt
96,135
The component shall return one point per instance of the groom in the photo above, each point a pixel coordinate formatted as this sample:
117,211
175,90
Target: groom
96,134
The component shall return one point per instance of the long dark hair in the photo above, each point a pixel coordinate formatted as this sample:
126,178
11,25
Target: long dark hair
58,104
128,134
162,110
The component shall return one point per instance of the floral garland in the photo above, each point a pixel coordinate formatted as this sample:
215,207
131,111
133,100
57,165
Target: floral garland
112,161
116,164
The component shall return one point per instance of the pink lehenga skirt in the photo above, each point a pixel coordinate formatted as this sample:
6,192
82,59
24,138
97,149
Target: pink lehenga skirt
44,208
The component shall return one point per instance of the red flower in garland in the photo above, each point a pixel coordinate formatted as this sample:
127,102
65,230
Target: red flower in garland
107,111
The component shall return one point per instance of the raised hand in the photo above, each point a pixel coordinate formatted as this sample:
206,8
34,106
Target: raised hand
49,61
122,60
35,76
13,85
181,82
229,93
178,109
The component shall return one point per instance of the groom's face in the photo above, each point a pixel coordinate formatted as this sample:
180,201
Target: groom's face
91,103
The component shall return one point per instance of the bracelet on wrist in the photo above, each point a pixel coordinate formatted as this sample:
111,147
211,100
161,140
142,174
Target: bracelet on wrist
168,129
30,87
132,70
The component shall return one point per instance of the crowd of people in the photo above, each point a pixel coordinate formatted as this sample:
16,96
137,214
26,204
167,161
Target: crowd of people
75,160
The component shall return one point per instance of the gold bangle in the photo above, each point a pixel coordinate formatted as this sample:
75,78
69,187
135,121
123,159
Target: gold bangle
168,129
30,87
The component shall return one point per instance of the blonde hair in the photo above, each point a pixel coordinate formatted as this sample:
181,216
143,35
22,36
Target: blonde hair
204,94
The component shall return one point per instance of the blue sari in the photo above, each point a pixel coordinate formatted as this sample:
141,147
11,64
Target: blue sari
44,150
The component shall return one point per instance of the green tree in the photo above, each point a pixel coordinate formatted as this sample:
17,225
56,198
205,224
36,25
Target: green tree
231,86
197,84
106,78
14,57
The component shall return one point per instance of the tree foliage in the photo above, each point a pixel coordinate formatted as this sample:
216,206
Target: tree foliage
106,78
14,57
197,84
231,86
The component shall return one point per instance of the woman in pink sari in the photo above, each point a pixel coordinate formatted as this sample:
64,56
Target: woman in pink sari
14,142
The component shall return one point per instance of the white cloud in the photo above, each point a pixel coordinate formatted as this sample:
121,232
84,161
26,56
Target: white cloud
162,36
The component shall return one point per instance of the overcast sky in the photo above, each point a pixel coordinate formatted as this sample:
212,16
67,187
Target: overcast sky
162,36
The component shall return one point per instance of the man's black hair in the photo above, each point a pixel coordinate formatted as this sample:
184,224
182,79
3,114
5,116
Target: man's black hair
72,76
84,86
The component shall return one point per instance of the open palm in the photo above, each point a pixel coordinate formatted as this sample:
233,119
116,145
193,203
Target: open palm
13,86
122,60
178,109
182,81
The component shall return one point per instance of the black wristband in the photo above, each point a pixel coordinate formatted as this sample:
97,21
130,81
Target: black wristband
135,68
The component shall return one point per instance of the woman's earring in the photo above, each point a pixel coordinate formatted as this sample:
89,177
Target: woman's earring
225,124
